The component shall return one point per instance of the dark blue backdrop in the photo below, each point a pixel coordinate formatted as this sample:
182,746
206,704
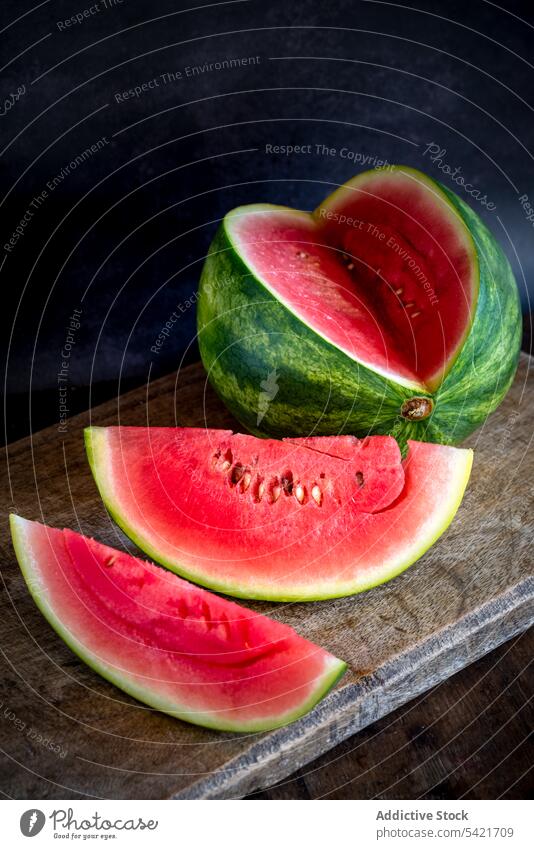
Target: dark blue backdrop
110,197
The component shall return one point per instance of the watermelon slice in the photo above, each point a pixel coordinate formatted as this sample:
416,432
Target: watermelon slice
292,520
173,646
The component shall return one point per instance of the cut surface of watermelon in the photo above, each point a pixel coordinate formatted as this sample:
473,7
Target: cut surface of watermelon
291,520
384,269
173,646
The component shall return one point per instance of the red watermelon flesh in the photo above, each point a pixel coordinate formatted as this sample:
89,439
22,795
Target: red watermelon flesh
281,520
170,644
373,464
384,270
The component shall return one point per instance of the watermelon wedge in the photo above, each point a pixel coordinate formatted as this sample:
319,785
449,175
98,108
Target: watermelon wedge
292,520
173,646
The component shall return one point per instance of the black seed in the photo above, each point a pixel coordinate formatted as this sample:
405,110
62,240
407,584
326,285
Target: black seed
359,479
237,473
287,482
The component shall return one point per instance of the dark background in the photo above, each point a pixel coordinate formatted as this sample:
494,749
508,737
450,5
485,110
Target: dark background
122,237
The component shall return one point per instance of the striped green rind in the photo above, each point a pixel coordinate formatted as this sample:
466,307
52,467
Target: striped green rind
245,334
485,369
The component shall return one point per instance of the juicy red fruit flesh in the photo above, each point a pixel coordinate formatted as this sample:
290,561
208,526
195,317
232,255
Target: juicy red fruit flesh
384,273
172,645
258,482
163,612
297,519
232,499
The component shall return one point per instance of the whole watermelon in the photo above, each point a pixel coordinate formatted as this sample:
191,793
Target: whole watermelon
390,309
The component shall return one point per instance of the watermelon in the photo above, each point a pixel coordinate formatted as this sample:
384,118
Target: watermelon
293,520
391,309
173,646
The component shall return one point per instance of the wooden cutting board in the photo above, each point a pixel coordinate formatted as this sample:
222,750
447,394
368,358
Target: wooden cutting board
66,733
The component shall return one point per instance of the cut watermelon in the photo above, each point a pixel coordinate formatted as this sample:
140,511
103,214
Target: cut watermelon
390,309
301,519
169,644
378,312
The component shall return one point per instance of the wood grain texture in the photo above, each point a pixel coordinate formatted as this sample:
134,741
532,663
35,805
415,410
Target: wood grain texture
471,737
68,734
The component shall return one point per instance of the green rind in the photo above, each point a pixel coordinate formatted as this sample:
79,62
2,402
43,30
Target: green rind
245,333
485,368
31,577
96,446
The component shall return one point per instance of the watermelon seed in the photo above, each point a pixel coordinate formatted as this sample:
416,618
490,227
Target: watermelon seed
228,460
110,561
399,291
275,490
409,304
245,481
226,626
287,482
300,493
215,457
350,266
258,489
302,254
317,495
206,614
236,474
182,608
359,479
415,314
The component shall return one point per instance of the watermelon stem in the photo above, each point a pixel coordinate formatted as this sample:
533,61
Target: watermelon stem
416,409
